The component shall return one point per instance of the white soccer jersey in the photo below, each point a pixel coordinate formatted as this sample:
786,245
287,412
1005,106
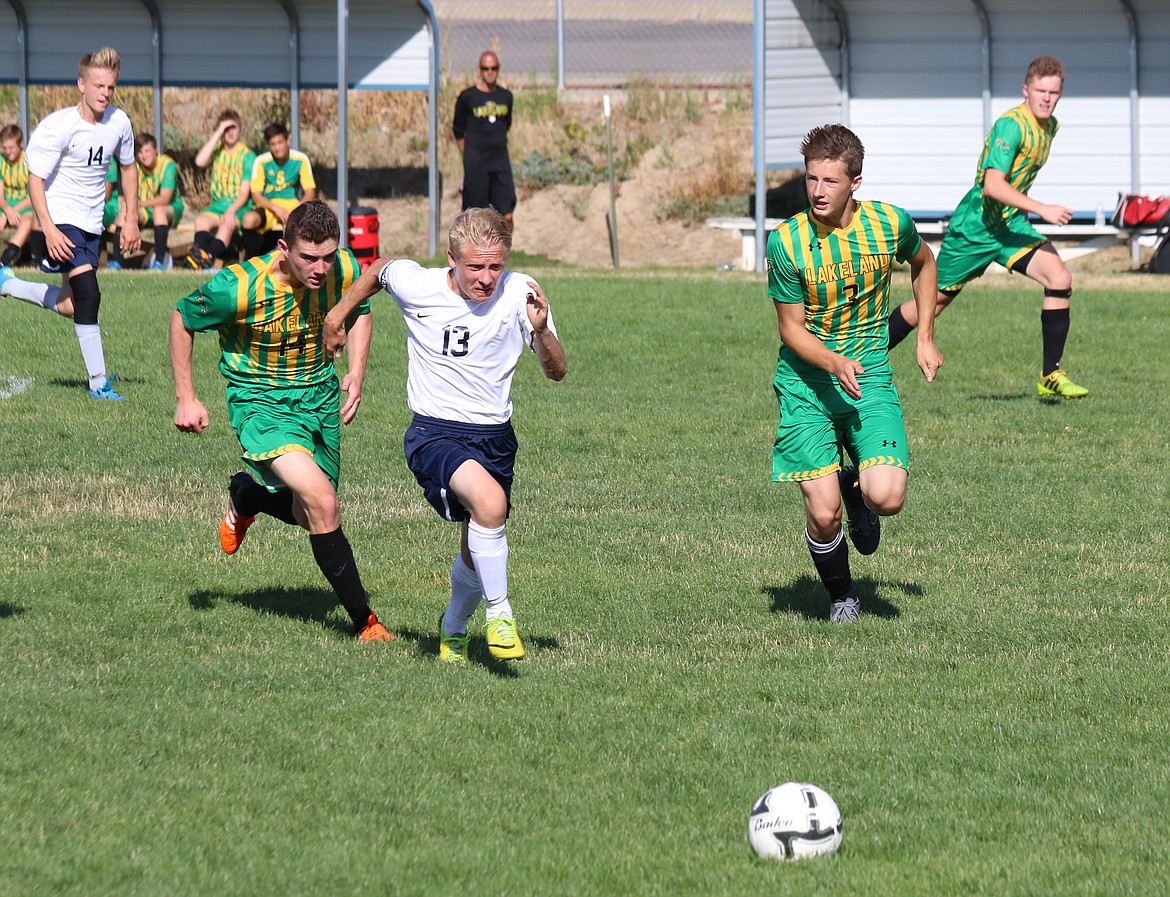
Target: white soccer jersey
461,354
73,157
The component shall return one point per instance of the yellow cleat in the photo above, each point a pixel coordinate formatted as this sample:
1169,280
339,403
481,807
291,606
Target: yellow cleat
503,639
1057,385
452,648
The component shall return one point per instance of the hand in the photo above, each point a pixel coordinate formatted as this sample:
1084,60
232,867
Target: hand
12,217
131,237
1056,214
335,335
280,212
352,387
59,247
191,416
846,371
929,360
230,217
537,308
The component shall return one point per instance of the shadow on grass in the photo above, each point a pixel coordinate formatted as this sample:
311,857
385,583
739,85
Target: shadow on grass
80,383
308,605
806,597
10,610
426,644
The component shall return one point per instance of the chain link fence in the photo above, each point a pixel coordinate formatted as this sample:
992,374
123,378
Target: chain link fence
604,43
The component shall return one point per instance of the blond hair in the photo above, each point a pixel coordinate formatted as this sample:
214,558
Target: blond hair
105,58
479,227
1044,67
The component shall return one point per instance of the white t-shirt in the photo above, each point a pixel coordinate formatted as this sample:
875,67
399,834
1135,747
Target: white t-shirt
461,354
73,157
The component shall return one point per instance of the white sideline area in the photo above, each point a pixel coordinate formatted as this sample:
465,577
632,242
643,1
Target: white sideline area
1086,238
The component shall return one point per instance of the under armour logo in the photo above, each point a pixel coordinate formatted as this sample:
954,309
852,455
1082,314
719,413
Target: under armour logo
888,443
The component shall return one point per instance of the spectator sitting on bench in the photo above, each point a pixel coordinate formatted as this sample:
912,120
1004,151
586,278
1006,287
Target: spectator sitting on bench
276,177
159,204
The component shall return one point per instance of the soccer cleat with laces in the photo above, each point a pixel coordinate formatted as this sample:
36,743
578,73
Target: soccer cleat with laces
865,527
234,525
106,391
452,648
845,610
503,640
1057,385
374,631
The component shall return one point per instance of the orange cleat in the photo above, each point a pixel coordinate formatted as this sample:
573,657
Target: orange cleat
374,631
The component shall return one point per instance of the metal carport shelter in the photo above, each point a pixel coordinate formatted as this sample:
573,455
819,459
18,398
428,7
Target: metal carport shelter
921,81
293,44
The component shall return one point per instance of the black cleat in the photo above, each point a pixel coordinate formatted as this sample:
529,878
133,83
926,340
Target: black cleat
865,527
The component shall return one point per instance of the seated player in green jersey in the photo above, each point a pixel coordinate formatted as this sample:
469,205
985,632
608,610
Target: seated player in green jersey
230,161
159,204
282,179
283,398
991,224
16,209
829,273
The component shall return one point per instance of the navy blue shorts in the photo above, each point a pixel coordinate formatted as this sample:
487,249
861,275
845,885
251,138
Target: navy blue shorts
435,449
86,249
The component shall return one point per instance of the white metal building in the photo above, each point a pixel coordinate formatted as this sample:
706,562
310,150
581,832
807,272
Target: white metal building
296,44
921,82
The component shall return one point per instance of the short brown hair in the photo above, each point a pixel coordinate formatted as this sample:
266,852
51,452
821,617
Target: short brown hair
105,58
479,227
1044,67
276,129
311,222
228,115
11,132
144,139
834,142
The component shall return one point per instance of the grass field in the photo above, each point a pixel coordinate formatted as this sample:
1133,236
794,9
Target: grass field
178,722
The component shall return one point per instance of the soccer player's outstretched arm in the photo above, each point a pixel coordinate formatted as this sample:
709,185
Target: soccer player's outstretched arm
924,282
190,415
363,288
549,351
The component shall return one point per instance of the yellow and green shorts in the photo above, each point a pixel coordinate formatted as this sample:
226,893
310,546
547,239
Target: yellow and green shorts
817,420
271,421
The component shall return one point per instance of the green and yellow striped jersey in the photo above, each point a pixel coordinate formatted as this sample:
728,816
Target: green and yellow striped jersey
151,183
1018,145
14,175
270,334
275,181
842,275
228,169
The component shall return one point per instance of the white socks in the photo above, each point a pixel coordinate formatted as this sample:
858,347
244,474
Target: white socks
489,552
43,294
466,594
89,337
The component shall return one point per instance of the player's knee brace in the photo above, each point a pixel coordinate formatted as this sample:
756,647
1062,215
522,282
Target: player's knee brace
1058,294
87,297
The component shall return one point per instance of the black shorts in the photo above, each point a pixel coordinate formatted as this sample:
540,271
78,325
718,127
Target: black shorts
495,189
436,448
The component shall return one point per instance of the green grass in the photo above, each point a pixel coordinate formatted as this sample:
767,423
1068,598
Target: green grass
178,722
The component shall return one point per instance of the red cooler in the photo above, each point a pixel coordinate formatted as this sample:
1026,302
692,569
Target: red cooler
363,234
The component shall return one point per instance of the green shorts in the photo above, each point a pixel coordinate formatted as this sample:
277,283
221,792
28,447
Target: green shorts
176,206
219,206
818,419
110,211
967,250
270,422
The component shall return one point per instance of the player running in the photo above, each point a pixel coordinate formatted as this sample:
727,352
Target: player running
467,325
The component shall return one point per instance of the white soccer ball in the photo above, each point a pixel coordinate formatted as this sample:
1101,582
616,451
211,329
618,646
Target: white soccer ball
794,821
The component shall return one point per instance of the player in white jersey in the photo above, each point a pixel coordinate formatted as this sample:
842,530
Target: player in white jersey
467,326
67,158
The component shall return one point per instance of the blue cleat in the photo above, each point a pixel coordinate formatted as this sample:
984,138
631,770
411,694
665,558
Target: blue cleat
113,266
5,275
106,390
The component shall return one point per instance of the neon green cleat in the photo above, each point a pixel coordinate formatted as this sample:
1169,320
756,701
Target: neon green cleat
1058,385
452,648
503,639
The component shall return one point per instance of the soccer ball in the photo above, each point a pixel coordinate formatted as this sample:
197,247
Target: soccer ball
794,821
